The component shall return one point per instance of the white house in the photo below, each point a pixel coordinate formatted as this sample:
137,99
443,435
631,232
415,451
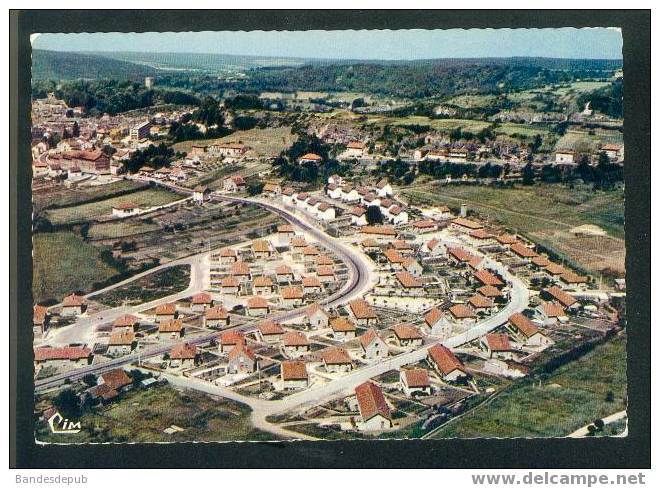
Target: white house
446,363
415,382
565,157
201,194
383,188
373,407
373,345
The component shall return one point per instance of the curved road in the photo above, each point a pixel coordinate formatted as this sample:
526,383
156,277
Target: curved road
358,281
357,284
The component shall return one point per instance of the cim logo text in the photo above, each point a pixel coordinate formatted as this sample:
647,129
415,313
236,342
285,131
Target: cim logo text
60,425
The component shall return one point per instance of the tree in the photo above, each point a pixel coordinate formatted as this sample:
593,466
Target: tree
374,215
68,404
89,379
255,188
528,174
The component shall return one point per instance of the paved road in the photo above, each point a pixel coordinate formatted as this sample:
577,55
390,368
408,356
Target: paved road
359,281
583,431
83,329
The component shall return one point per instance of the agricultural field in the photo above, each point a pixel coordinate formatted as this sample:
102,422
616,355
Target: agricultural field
546,214
151,287
63,263
574,395
120,229
264,143
151,197
588,141
62,196
143,415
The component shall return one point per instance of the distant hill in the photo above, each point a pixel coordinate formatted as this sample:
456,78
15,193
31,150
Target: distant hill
55,65
203,62
213,62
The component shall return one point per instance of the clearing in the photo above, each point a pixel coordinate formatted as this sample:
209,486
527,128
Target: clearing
64,263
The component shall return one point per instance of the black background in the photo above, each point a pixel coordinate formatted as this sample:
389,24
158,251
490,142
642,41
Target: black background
631,452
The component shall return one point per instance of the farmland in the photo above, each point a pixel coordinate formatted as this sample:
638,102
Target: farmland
546,213
574,395
88,211
267,142
66,197
63,262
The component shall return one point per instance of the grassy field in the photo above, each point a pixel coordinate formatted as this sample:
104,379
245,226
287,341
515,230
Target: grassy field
151,287
63,263
141,416
264,142
546,213
61,196
87,211
571,397
120,229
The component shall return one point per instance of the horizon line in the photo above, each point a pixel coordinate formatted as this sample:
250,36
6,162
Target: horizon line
326,58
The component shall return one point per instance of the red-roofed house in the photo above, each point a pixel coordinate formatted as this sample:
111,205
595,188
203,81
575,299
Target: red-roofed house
437,323
373,345
551,313
230,339
200,302
126,323
497,346
262,285
295,343
257,307
415,382
342,328
270,331
317,317
241,359
363,312
407,335
73,305
165,312
183,355
40,320
337,360
216,318
294,375
526,332
446,363
373,407
58,356
121,343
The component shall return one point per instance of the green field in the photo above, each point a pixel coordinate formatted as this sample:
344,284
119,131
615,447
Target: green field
141,416
571,397
103,208
267,142
64,263
62,196
535,207
151,287
120,229
545,213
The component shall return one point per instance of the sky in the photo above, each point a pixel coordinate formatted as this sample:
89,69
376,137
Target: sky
595,43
